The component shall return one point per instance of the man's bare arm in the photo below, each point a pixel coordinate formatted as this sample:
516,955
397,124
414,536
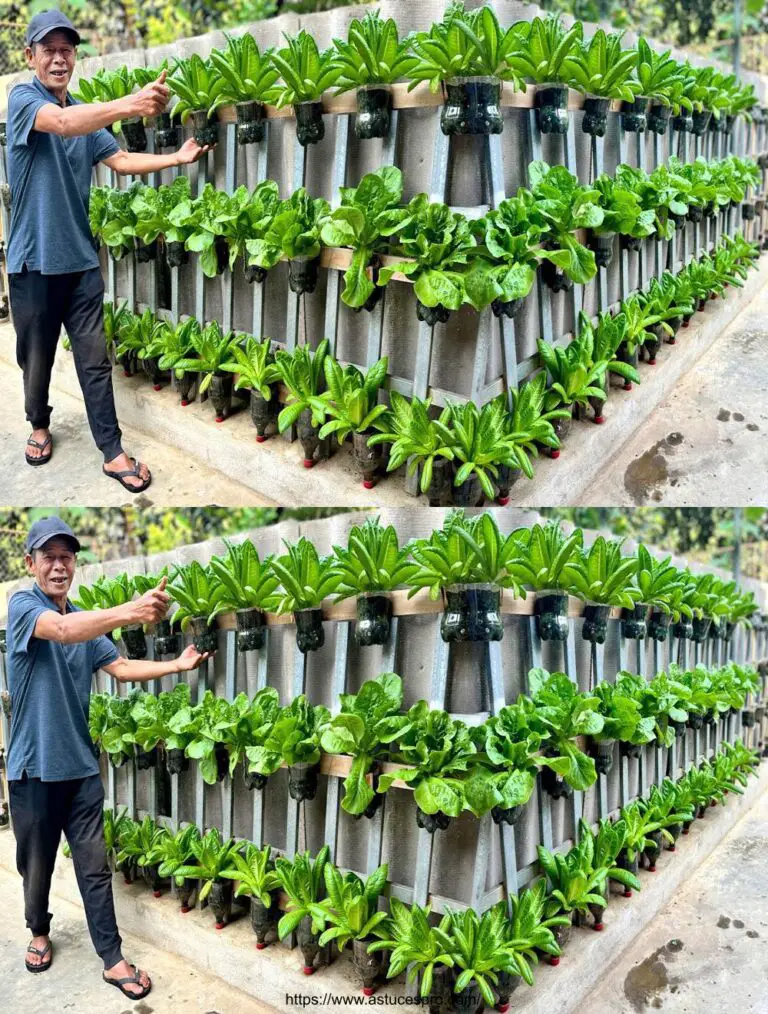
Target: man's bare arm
127,670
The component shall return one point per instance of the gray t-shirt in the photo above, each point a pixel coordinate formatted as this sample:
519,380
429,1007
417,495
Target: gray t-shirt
50,686
50,181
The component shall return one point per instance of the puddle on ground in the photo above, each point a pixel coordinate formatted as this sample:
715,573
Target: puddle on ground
646,981
753,427
738,924
752,934
651,470
738,417
723,415
723,922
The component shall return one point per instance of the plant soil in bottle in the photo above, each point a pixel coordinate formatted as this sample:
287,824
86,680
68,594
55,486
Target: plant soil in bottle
432,822
253,780
176,762
220,393
204,637
302,781
310,126
695,213
675,830
700,122
505,987
634,115
220,900
310,948
633,621
146,759
309,439
551,102
700,628
562,935
152,878
469,1000
185,892
151,366
176,254
595,626
551,610
145,252
221,756
432,314
653,851
695,720
597,912
506,815
472,613
651,345
506,308
369,967
472,106
506,478
374,111
625,864
602,245
368,459
631,750
3,134
658,625
263,919
633,243
185,385
562,427
251,629
263,413
374,618
748,718
250,122
683,629
468,493
595,119
554,784
167,133
310,633
440,482
683,122
135,134
602,751
748,211
555,277
205,128
135,641
302,274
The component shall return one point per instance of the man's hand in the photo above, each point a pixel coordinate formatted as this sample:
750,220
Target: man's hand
191,151
152,99
152,606
191,659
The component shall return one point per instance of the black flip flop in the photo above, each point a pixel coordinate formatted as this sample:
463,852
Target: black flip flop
134,472
120,984
44,458
44,965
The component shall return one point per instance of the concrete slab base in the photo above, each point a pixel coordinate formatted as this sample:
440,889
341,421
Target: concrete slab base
274,974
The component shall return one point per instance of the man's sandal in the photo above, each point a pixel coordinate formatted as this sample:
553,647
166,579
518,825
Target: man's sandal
132,979
44,965
132,472
43,458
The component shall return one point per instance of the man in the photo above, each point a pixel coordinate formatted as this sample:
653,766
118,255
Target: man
54,277
53,649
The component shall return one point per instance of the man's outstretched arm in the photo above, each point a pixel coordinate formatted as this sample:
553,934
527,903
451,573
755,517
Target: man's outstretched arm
126,670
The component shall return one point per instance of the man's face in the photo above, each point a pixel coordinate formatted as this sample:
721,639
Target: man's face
53,566
53,59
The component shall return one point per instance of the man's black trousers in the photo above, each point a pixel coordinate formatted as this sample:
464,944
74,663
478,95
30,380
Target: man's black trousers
40,812
41,305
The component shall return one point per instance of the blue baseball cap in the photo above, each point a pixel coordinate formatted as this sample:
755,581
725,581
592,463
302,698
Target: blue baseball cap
48,21
50,528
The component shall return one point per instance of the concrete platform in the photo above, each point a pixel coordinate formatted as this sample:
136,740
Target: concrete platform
272,975
273,470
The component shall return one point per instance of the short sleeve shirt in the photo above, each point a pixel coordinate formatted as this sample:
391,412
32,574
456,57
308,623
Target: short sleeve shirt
50,687
50,181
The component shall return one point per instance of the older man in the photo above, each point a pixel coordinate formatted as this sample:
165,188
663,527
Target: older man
53,649
53,266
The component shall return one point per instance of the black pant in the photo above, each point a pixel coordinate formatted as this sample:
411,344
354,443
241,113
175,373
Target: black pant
40,812
41,305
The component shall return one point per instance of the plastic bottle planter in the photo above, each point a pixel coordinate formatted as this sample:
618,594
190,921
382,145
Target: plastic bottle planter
176,254
204,637
250,122
220,393
683,122
472,613
3,133
602,751
748,211
263,413
221,249
506,308
432,822
631,243
146,759
551,610
748,718
695,213
505,987
205,128
129,362
167,133
700,629
302,781
310,634
678,220
678,727
184,386
551,101
602,244
595,119
302,274
472,106
562,935
153,879
185,892
129,869
562,427
145,252
432,314
683,629
151,366
554,784
652,344
253,780
595,626
3,640
630,750
759,205
253,273
369,967
135,641
468,493
176,762
633,622
135,134
633,115
374,619
263,919
441,481
727,631
633,865
310,126
374,111
652,851
658,118
505,480
251,631
658,625
506,815
311,950
554,277
311,444
368,459
220,900
700,122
